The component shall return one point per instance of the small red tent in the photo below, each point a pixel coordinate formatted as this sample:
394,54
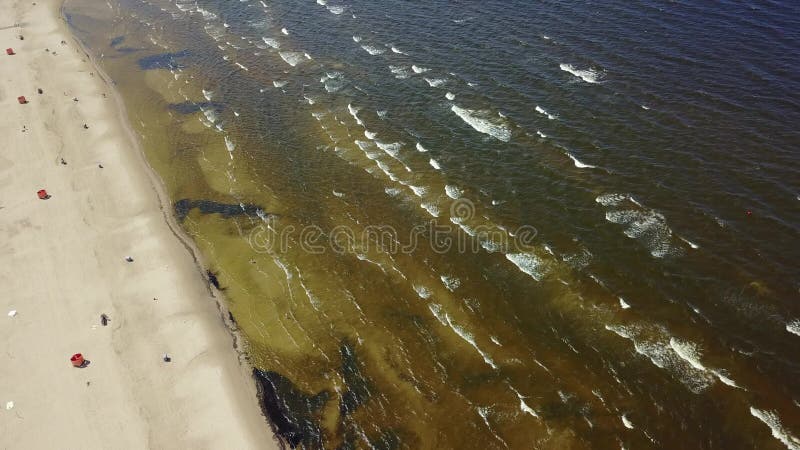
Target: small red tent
22,100
9,51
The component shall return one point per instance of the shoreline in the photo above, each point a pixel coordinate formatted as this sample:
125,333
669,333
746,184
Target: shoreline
137,418
266,401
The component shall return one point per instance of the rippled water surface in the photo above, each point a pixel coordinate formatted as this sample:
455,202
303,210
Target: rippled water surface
492,224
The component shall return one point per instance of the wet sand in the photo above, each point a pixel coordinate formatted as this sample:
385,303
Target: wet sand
63,265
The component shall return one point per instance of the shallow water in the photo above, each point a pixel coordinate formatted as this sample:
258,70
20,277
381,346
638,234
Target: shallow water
498,225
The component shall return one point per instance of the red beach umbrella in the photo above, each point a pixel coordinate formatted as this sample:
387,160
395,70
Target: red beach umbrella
43,195
22,100
77,360
9,51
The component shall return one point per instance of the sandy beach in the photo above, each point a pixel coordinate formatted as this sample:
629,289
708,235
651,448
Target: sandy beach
63,265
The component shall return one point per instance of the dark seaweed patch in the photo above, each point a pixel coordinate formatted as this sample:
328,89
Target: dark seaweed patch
358,387
227,210
162,60
212,277
192,107
294,415
126,50
117,40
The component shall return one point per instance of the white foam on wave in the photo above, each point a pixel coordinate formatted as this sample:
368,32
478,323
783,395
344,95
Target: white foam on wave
385,169
333,81
542,111
370,135
393,192
432,209
623,304
207,15
611,199
229,144
271,42
372,50
647,226
541,135
587,75
292,58
480,123
211,116
285,31
421,149
779,432
322,2
445,320
354,112
357,39
450,96
435,82
453,191
208,94
626,422
391,149
382,113
450,282
579,164
398,51
691,244
794,327
419,191
529,264
279,84
242,67
423,292
643,224
419,69
524,406
399,72
435,164
679,358
336,9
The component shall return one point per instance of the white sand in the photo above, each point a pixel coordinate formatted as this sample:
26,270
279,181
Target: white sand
61,266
